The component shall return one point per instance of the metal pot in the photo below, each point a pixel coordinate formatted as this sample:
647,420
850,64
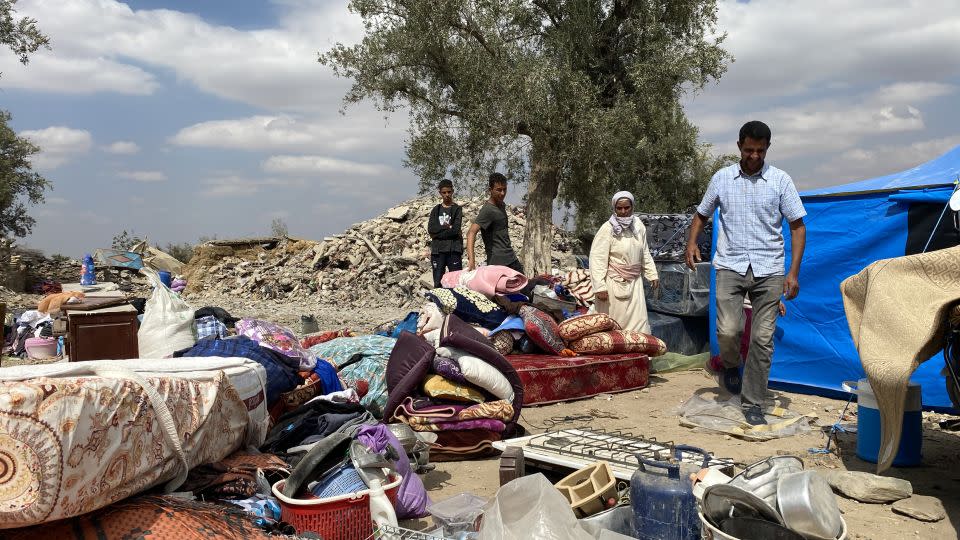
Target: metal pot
809,506
757,529
761,477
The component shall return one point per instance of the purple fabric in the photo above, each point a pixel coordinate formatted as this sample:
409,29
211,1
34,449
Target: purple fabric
449,369
410,361
412,498
277,338
478,423
458,334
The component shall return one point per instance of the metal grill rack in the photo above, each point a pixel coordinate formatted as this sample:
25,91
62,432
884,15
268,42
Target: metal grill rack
387,532
615,447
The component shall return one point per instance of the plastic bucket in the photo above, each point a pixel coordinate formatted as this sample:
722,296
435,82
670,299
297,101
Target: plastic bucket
165,278
868,425
41,348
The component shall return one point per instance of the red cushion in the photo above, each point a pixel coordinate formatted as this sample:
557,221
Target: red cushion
575,328
619,342
541,329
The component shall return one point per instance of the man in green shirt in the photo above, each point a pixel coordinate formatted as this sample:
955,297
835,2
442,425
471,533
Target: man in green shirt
493,227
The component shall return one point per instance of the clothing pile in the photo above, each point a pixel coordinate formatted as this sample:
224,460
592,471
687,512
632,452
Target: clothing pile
464,391
360,362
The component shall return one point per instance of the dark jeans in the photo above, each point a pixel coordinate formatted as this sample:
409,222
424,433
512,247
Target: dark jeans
445,262
764,294
516,265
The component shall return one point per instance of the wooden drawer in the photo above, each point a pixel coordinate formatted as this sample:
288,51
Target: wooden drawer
102,336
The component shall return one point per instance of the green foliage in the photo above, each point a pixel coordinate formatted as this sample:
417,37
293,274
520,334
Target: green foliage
125,240
19,184
20,36
182,252
278,228
578,99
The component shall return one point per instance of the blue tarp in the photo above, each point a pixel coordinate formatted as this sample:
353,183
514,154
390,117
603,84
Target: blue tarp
849,227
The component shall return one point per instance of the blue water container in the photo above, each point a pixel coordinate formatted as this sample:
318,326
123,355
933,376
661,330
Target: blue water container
165,278
88,274
662,498
868,426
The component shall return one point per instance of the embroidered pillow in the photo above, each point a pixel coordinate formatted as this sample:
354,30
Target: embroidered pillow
479,373
619,342
583,325
436,386
503,342
541,329
448,368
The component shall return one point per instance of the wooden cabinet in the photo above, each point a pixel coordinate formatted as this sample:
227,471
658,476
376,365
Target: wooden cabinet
105,334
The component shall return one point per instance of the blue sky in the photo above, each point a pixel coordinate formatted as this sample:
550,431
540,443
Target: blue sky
212,117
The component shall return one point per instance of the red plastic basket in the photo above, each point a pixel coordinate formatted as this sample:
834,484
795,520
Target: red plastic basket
346,517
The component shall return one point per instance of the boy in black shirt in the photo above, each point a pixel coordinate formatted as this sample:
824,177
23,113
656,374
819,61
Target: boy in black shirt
444,226
493,225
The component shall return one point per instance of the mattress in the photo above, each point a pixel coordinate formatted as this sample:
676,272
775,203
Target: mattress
76,437
552,379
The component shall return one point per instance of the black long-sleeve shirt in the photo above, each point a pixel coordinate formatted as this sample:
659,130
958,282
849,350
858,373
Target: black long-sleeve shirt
445,228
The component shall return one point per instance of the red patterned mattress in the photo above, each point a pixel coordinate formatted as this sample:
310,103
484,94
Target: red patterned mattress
552,379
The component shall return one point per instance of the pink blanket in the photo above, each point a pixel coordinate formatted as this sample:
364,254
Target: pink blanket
486,280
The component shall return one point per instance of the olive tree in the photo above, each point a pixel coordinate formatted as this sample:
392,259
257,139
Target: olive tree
574,99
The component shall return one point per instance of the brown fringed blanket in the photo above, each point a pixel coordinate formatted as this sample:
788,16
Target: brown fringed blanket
897,310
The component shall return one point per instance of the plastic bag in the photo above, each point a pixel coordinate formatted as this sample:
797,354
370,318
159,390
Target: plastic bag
531,507
711,413
167,322
670,362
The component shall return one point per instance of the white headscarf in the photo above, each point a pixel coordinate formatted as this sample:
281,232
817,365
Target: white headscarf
620,223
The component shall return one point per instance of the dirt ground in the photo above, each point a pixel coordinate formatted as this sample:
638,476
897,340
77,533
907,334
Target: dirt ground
651,412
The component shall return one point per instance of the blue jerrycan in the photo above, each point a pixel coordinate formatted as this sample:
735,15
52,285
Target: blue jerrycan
661,494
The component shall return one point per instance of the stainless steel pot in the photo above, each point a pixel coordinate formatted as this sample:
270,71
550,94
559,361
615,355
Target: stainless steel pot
808,505
761,477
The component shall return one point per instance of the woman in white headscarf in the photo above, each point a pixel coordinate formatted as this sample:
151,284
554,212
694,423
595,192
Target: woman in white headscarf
619,259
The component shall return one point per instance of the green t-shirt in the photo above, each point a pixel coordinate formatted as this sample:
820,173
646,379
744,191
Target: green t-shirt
495,232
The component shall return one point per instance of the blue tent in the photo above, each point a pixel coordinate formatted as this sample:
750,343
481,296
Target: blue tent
849,227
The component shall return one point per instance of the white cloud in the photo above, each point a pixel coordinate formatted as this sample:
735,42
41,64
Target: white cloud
122,148
58,144
364,130
861,163
241,186
837,43
318,164
143,176
104,45
253,133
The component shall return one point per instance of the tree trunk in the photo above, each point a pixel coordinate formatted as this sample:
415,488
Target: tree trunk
538,234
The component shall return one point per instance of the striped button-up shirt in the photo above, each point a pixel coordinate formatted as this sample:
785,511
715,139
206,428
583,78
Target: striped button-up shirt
752,210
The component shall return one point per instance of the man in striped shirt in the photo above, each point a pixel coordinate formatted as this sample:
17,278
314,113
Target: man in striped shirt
754,199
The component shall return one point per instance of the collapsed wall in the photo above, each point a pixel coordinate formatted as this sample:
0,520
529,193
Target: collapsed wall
383,261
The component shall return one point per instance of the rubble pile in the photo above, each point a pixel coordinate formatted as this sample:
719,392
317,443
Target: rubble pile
384,261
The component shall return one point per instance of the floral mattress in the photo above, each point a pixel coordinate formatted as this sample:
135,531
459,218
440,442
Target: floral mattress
76,437
552,379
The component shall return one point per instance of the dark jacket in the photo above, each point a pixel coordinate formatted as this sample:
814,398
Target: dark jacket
443,239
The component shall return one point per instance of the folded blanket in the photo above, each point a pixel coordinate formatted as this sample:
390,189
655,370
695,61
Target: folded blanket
467,444
481,423
896,309
488,280
437,386
431,414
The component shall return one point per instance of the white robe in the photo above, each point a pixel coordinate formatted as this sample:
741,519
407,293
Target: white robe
626,303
